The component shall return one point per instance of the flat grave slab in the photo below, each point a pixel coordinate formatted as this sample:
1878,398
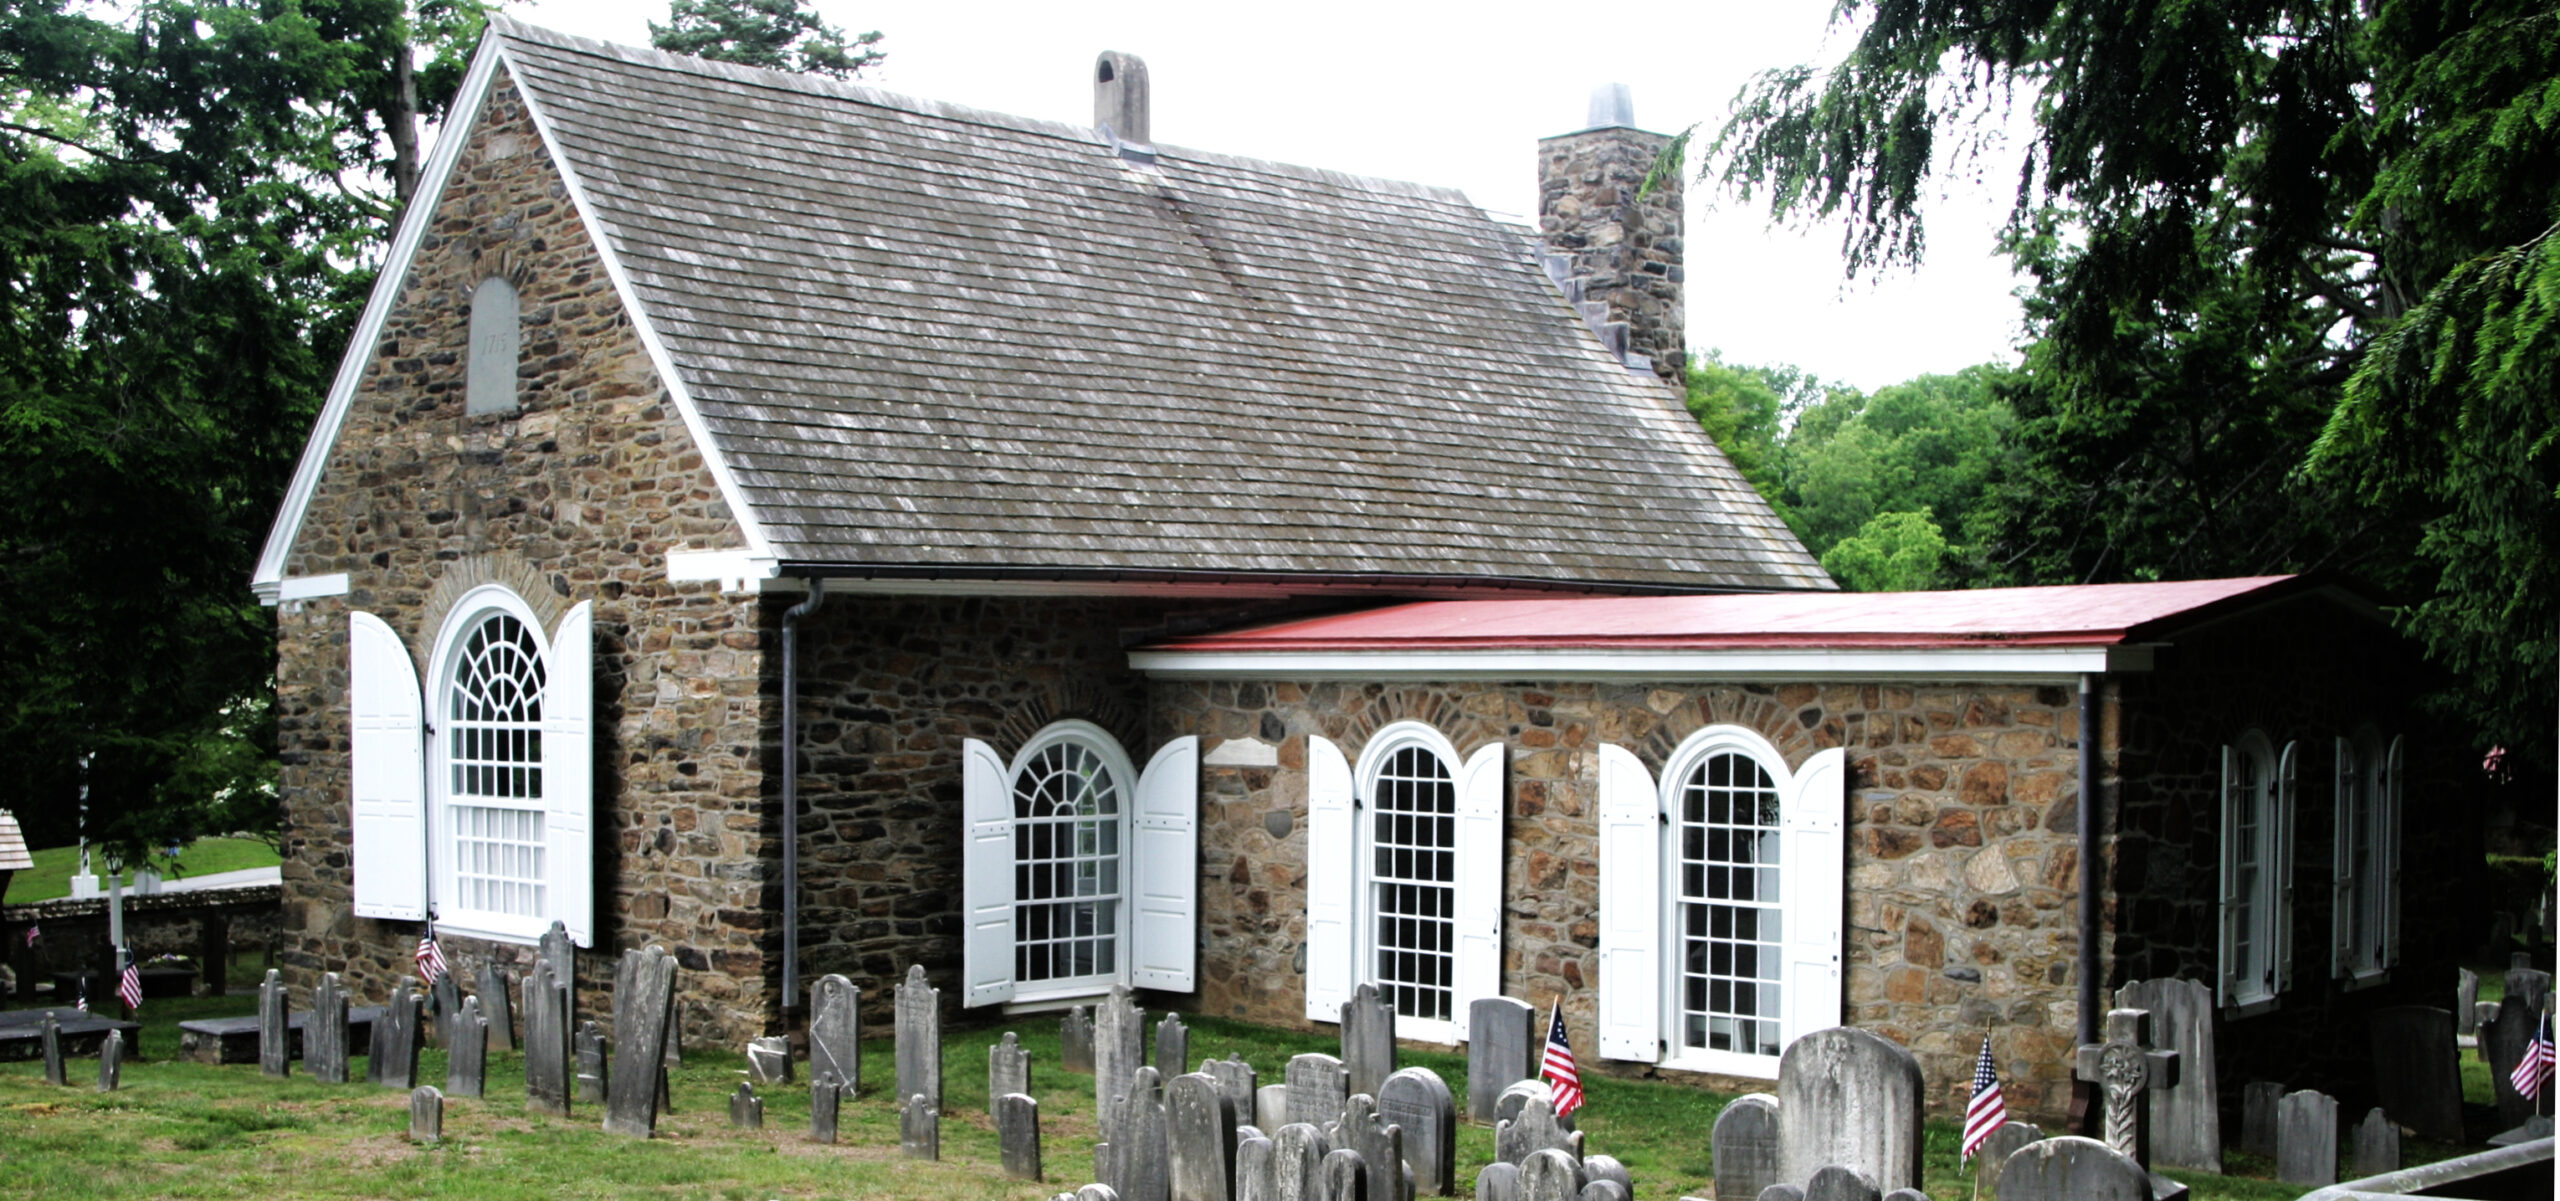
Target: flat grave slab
235,1040
22,1034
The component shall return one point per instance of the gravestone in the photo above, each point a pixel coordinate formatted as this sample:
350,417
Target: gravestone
1839,1182
396,1036
769,1059
1995,1151
1008,1070
1318,1085
548,1043
1091,1192
1368,1041
1550,1175
2127,1070
1611,1190
1535,1130
2466,1002
1018,1134
644,1014
1906,1194
826,1099
111,1062
1173,1044
1782,1192
1202,1128
1075,1041
919,1029
1606,1167
2417,1069
2186,1118
1143,1146
1498,1181
1119,1048
2504,1036
835,1031
1271,1107
1516,1095
324,1033
2377,1146
1418,1100
561,952
52,1037
1254,1167
444,996
2258,1101
594,1068
2071,1168
1342,1176
746,1109
2531,987
1745,1145
466,1059
426,1115
1381,1146
1237,1081
1297,1161
1502,1046
275,1027
497,1003
2306,1138
1849,1097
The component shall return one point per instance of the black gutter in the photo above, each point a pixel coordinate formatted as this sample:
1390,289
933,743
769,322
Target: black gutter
1376,581
791,795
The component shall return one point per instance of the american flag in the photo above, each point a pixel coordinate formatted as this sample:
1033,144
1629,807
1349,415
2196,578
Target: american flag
83,1001
2535,1068
1558,1069
431,965
33,933
1987,1110
129,985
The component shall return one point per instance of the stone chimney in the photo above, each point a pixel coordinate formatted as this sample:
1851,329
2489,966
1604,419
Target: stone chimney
1120,102
1616,257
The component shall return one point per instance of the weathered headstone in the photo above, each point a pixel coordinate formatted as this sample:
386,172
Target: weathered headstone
1237,1081
1368,1041
1119,1048
1607,1167
2466,1002
2186,1117
497,1003
2530,987
594,1066
919,1031
426,1115
1018,1134
51,1035
2306,1139
2504,1036
643,1022
1782,1192
324,1033
835,1031
111,1062
746,1109
1906,1194
1343,1176
2377,1146
769,1059
1271,1107
548,1043
1381,1146
1143,1146
1550,1175
275,1027
1498,1181
1418,1100
2417,1069
466,1058
1202,1126
396,1036
1745,1146
1297,1161
1996,1150
561,952
1611,1190
1849,1097
1502,1046
444,998
1840,1182
1535,1130
2258,1101
2127,1070
1008,1070
1516,1096
826,1100
2071,1168
1318,1085
1172,1044
1254,1167
1075,1041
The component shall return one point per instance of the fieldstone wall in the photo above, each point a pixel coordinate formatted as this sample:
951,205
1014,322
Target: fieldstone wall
576,497
1961,861
1623,252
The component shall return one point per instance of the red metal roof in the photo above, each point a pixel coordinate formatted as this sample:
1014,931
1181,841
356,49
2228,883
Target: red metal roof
2073,615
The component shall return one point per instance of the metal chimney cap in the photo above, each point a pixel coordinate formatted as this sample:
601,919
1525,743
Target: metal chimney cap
1613,106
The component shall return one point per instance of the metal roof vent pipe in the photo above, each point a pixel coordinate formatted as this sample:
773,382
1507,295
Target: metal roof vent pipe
1120,105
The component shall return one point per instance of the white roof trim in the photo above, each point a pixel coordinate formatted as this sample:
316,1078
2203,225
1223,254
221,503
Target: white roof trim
2014,664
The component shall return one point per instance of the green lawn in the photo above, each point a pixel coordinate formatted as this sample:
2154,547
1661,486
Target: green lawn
51,876
201,1131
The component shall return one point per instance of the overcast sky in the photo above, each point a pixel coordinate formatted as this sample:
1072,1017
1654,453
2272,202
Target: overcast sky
1458,94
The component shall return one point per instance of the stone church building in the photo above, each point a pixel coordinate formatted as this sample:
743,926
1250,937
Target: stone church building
1240,581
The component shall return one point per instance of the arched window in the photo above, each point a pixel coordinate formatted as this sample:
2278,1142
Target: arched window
1409,861
2366,860
1070,812
1727,857
491,748
497,348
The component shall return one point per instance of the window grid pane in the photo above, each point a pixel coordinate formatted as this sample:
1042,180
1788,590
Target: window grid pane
498,859
493,752
2246,832
1731,936
1066,883
1413,874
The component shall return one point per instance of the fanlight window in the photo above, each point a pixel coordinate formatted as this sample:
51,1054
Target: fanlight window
493,743
1412,879
1067,871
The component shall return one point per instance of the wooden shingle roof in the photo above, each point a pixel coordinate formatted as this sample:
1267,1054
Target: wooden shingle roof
925,336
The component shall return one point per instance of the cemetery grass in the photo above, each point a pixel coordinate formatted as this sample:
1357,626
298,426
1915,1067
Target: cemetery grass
181,1129
51,876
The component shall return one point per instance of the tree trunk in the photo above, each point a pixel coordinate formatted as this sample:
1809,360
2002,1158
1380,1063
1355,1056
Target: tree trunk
404,128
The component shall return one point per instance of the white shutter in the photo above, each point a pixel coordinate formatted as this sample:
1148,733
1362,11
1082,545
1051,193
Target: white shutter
2342,887
2288,797
387,778
1479,879
1331,843
568,772
2386,850
2227,917
986,877
1812,877
1630,1016
1166,871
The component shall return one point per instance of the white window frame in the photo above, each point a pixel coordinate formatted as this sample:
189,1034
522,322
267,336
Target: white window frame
1124,778
444,889
1710,742
1381,750
2251,981
2364,914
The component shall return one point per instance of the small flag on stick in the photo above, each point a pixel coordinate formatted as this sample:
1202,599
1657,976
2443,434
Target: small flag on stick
129,985
1558,1069
2533,1069
1987,1110
82,1002
431,965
